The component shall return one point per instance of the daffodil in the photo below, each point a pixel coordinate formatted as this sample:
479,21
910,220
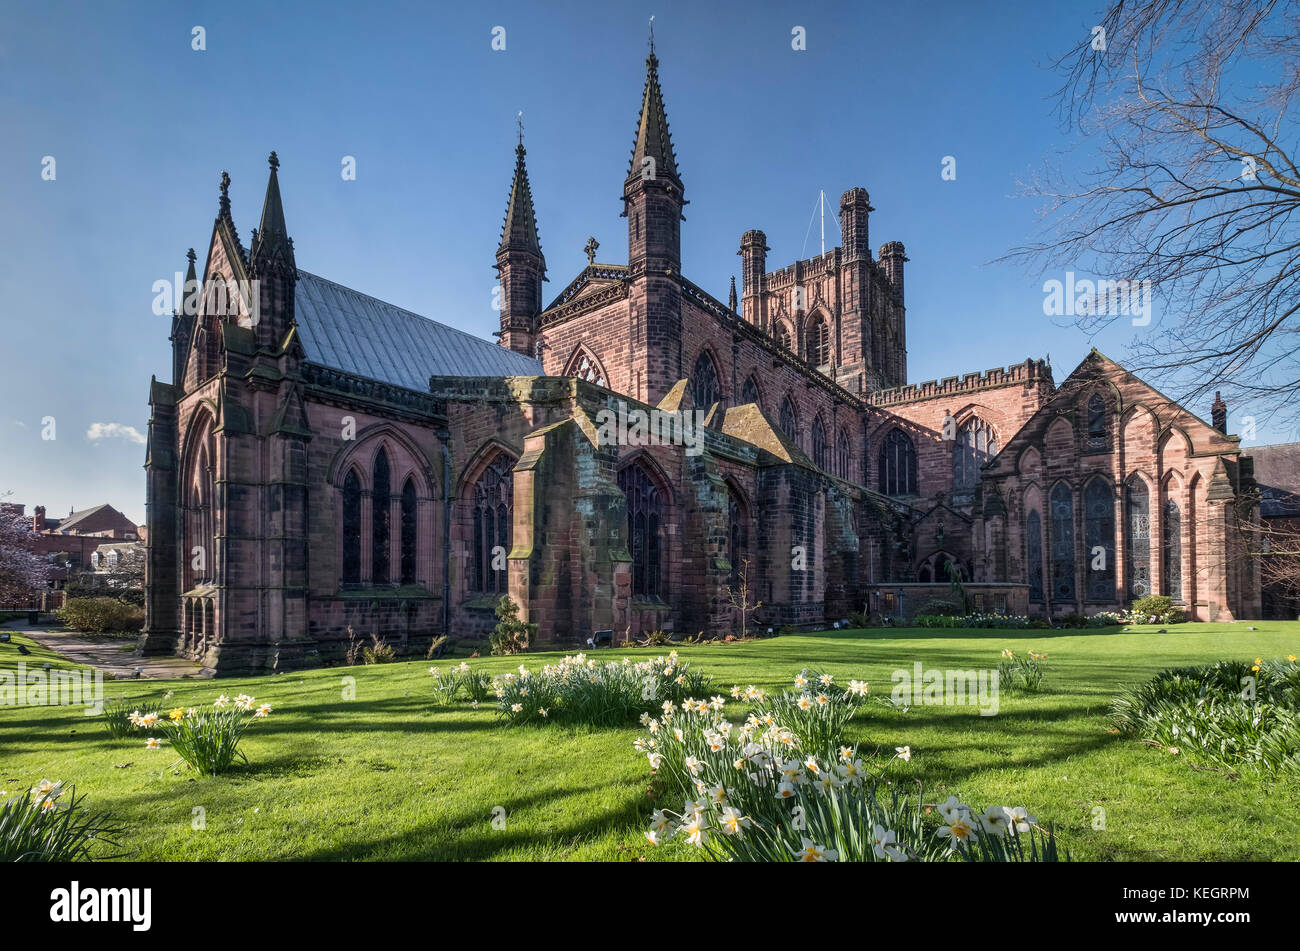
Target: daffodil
904,753
812,852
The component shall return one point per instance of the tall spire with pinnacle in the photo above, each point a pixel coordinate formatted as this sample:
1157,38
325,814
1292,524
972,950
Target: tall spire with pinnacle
521,268
652,139
272,235
519,233
183,321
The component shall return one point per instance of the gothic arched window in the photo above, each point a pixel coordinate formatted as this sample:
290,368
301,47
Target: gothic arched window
820,447
789,420
704,382
381,516
738,539
783,335
1138,515
1173,549
843,456
644,530
1096,422
493,511
1062,544
585,367
976,444
351,528
1034,554
408,544
1099,540
200,512
898,464
818,343
749,390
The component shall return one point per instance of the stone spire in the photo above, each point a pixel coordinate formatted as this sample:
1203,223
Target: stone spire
652,138
519,233
183,321
731,296
272,235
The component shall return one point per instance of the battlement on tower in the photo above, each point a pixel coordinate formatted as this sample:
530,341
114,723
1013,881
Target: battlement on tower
1031,371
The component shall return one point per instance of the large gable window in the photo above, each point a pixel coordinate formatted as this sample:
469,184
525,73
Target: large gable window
645,513
493,508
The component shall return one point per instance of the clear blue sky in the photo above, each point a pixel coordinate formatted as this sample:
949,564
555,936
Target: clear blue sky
141,125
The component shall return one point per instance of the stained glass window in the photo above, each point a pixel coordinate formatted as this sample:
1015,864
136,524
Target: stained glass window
493,508
820,447
789,420
898,464
738,547
382,517
976,444
1034,554
1139,539
1173,549
408,544
1099,540
749,391
704,382
1062,543
843,456
644,528
1096,422
351,528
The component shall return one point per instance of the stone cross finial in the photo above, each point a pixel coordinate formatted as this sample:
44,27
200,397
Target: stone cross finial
225,184
591,247
519,120
274,160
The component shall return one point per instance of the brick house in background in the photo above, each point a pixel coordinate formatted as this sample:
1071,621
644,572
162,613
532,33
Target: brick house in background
325,460
77,536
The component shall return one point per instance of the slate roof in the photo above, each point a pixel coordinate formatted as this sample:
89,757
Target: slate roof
1277,473
346,330
86,521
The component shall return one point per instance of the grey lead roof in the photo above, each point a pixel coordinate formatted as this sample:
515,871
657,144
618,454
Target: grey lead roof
346,330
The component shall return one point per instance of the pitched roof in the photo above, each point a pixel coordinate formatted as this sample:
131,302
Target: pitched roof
1277,473
98,518
346,330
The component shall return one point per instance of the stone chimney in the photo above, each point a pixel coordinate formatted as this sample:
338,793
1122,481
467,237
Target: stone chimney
38,519
1219,414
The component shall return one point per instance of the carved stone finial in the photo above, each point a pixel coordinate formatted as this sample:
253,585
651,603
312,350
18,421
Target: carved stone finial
191,256
273,160
591,248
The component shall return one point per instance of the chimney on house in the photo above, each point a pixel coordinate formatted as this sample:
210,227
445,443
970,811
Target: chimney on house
1219,414
38,519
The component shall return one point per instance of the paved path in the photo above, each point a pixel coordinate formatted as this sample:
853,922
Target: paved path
106,653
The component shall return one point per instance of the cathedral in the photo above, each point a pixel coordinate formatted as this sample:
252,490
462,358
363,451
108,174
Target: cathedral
324,465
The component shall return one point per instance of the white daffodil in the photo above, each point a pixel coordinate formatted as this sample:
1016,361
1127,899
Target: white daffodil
733,823
958,830
904,753
996,820
812,852
1020,819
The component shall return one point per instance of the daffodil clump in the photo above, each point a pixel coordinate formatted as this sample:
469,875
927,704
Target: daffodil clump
579,689
207,739
758,791
49,823
1234,714
1022,671
816,710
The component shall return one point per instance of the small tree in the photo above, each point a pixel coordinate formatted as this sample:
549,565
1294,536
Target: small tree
959,589
512,635
740,598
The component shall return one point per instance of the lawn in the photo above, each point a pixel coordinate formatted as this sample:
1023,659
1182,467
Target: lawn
391,775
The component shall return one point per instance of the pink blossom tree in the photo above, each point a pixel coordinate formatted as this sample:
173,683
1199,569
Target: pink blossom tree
23,572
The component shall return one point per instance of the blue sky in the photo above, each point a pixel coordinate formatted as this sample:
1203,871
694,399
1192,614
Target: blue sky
140,126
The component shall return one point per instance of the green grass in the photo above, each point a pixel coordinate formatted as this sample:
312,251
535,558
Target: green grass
392,775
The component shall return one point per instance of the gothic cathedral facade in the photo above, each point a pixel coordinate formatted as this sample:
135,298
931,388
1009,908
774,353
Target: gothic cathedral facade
324,464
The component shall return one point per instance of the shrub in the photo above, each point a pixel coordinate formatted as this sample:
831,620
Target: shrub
756,792
655,639
580,690
1000,621
1155,609
512,635
1234,714
941,607
208,740
100,615
1022,671
1105,619
40,826
377,651
1072,619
